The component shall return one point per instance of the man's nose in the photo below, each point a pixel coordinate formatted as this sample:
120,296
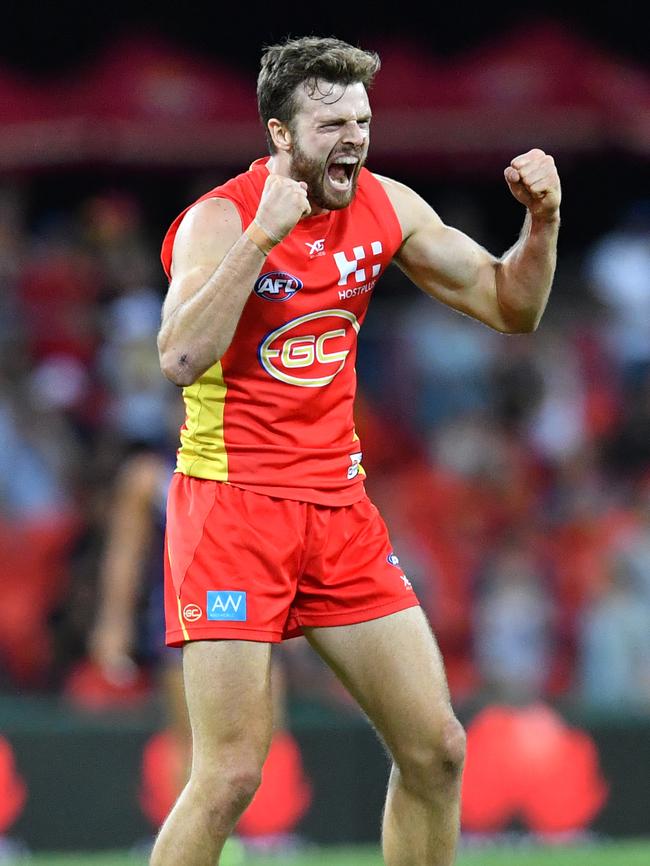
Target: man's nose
354,134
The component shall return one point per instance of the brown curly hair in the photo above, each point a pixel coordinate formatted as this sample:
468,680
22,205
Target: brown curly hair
305,60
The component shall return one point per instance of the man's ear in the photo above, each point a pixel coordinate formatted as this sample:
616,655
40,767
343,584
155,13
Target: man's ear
280,134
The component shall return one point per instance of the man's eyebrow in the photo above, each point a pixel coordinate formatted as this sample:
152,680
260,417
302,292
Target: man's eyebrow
324,120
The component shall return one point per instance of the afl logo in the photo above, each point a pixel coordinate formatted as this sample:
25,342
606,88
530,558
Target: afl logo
192,612
311,350
277,286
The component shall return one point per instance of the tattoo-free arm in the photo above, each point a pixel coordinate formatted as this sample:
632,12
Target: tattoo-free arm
213,271
524,275
508,293
214,268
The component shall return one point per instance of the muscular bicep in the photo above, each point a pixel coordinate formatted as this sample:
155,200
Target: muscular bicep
443,261
204,237
450,266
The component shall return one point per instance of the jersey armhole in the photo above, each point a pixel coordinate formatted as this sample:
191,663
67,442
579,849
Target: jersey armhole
387,213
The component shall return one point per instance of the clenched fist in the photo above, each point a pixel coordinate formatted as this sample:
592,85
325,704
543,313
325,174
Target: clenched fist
283,202
534,181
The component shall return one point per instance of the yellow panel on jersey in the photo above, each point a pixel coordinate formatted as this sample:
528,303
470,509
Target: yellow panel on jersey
203,450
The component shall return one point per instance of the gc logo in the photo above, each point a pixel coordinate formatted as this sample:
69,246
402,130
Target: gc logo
283,356
192,612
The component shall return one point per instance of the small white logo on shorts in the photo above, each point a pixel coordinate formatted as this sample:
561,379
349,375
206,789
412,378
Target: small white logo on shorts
192,612
353,470
407,582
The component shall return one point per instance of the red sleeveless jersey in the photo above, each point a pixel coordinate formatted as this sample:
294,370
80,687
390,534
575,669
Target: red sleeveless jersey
275,415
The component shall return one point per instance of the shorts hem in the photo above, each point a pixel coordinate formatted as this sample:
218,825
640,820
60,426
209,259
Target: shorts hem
177,638
351,617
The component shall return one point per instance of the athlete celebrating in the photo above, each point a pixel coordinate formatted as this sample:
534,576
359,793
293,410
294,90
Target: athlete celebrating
269,531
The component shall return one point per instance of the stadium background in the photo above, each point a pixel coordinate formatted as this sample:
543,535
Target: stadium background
513,472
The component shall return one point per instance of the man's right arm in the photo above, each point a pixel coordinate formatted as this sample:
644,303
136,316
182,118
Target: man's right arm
214,268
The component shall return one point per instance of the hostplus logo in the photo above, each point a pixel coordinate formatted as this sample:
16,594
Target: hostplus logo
359,273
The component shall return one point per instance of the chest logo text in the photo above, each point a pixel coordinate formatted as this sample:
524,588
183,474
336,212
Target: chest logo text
308,351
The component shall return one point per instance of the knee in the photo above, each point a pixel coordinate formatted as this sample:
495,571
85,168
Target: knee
452,746
225,791
241,784
434,762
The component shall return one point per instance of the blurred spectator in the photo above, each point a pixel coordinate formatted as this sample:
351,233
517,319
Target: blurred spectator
59,289
614,636
618,268
514,624
558,425
633,550
447,356
628,445
138,403
614,633
30,486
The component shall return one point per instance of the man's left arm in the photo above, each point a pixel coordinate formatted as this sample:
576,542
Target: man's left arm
508,293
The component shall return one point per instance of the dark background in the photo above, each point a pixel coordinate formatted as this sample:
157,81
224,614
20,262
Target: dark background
49,41
46,39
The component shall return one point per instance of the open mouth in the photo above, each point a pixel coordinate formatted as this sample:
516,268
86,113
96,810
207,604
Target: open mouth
341,171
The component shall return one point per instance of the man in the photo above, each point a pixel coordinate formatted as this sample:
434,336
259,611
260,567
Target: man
270,533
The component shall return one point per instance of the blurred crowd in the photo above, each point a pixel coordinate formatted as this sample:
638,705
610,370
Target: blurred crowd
513,471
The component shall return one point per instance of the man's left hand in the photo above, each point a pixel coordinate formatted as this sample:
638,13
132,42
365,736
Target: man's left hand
534,181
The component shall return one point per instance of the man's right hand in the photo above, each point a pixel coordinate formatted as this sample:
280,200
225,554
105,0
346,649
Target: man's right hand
284,201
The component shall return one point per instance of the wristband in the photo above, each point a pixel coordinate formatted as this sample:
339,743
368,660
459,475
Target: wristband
263,240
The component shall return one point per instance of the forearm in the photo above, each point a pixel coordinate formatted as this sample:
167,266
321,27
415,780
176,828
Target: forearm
124,559
120,581
198,332
524,275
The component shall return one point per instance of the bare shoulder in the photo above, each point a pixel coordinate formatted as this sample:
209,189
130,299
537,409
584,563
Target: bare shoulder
412,210
207,232
210,218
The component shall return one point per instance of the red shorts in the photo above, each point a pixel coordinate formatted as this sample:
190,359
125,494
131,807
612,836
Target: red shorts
252,567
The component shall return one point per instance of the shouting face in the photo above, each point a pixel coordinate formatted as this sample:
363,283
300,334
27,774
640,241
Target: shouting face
330,133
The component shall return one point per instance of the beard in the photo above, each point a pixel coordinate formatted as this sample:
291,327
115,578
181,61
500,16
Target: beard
313,172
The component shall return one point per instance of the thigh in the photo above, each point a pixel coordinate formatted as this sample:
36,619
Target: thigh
393,668
228,693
